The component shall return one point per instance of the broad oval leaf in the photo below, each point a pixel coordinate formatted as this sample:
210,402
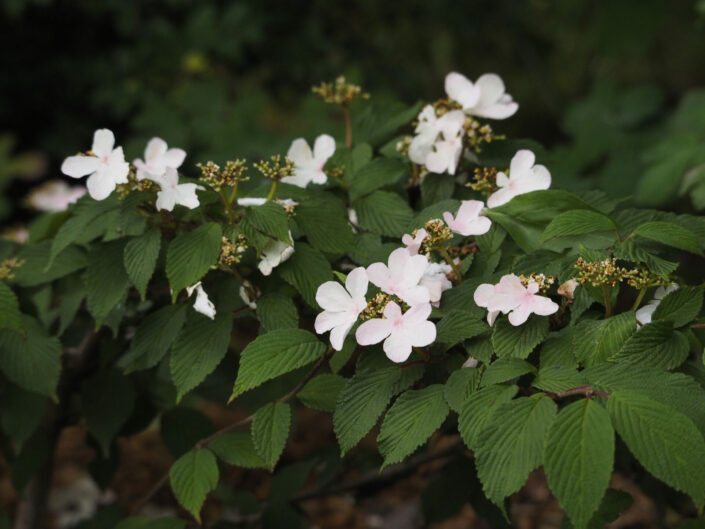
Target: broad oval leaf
192,477
270,430
190,256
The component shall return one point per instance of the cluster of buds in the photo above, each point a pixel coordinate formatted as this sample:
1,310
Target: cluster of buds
484,180
133,184
231,252
375,307
477,133
641,278
437,234
287,204
336,172
598,273
339,92
231,175
7,266
404,144
275,169
542,280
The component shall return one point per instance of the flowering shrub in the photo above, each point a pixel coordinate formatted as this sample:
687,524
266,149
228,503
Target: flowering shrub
430,282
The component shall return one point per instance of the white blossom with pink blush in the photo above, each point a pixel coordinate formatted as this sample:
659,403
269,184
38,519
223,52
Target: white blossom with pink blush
435,280
173,193
510,296
524,177
341,306
468,220
400,332
55,195
105,166
486,98
157,158
413,243
401,276
309,164
447,149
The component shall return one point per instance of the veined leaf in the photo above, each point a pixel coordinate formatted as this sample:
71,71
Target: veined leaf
595,341
270,430
322,391
192,477
276,311
306,270
10,315
681,307
324,221
140,258
518,342
457,326
578,222
384,212
380,172
105,279
504,369
656,344
460,385
237,449
190,255
269,219
479,410
671,235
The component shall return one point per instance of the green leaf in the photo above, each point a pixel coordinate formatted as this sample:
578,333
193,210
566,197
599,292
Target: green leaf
629,251
578,222
21,411
479,410
595,341
324,221
578,458
511,445
434,211
384,213
105,279
276,311
436,188
192,477
613,504
460,385
461,298
190,256
32,361
457,326
10,315
505,369
181,428
269,219
681,307
665,441
198,350
655,345
154,337
35,256
413,418
671,235
554,378
380,172
273,354
138,522
365,397
270,430
518,342
321,392
107,400
237,449
140,258
306,270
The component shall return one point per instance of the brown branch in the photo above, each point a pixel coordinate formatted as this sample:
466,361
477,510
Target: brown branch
580,390
698,326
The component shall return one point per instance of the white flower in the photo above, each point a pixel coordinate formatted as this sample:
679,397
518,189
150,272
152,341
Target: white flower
275,252
511,296
401,278
446,152
251,201
426,133
157,158
173,193
202,304
309,165
645,313
468,220
567,289
400,332
106,166
287,203
470,362
341,306
435,280
524,177
245,289
485,99
55,195
413,244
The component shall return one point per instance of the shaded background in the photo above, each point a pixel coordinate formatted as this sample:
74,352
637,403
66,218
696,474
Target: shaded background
596,81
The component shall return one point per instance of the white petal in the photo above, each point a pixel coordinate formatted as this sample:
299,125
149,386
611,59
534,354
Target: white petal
155,148
415,295
203,304
491,89
166,199
459,88
397,347
521,163
251,201
483,294
327,320
331,295
419,148
79,166
373,331
543,306
378,274
186,195
99,186
416,314
499,198
415,267
497,111
519,315
103,141
356,283
392,312
299,152
338,334
174,158
323,148
422,334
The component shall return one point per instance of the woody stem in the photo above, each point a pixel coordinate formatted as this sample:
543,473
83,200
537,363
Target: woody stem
456,269
348,125
608,305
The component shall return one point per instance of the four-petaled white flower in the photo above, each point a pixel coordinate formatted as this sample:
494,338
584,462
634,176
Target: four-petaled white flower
511,297
645,313
401,277
275,252
524,177
446,150
413,243
435,280
172,192
157,158
341,306
55,195
468,220
400,332
105,165
308,164
486,98
202,304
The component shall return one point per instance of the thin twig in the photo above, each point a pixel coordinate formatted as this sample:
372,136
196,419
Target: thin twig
580,390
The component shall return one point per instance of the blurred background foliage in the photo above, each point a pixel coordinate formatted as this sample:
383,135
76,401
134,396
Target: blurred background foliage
610,89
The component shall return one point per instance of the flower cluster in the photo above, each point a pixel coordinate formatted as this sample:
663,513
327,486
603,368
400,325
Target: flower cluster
55,195
598,273
340,92
511,296
231,175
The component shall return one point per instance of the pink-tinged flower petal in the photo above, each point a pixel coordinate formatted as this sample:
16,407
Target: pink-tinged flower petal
480,226
499,198
543,306
422,334
521,164
79,166
519,315
327,320
356,283
323,148
331,295
397,347
392,311
451,124
338,334
299,152
373,331
498,110
397,262
415,267
415,295
103,142
155,148
378,274
470,209
502,179
492,316
483,294
99,187
459,88
174,158
445,157
416,314
117,167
